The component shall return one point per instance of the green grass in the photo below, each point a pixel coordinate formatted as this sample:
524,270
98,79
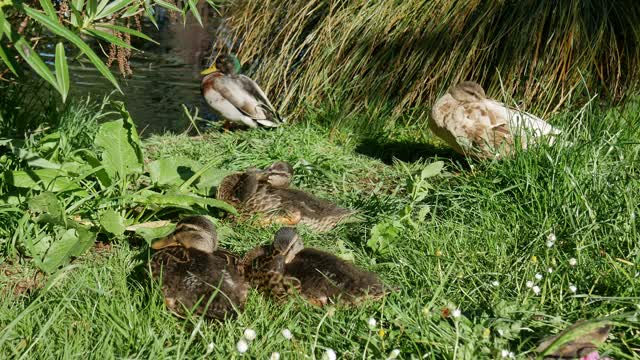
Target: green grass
486,222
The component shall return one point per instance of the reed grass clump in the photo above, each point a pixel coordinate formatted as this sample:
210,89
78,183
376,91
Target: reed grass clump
403,54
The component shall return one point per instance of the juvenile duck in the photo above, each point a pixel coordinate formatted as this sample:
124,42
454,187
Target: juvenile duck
287,266
267,192
237,97
194,272
475,125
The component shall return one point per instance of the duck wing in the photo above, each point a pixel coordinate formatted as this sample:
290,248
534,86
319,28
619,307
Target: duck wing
255,91
521,122
238,93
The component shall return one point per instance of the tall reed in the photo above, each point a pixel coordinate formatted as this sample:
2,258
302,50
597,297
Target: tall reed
404,54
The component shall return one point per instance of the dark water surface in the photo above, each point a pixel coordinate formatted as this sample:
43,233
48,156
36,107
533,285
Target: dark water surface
165,76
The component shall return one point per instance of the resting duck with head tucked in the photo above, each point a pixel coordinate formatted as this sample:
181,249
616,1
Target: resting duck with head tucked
475,125
266,192
236,97
287,267
194,273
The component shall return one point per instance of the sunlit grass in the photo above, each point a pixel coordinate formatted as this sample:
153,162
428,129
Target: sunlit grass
484,238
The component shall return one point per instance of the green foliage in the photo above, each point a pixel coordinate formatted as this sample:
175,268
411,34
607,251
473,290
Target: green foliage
72,22
477,235
55,190
121,155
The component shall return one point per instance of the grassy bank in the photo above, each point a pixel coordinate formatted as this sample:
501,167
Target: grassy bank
400,55
469,238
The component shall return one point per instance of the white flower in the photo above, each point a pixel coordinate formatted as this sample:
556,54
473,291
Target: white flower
529,284
372,323
573,288
495,283
538,276
329,354
210,348
536,289
287,334
550,270
504,354
456,313
275,356
242,346
501,332
249,334
573,262
394,353
551,240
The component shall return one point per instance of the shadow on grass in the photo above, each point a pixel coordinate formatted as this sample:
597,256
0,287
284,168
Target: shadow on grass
406,151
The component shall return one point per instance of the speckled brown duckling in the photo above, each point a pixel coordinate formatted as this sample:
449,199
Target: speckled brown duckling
194,272
319,276
267,192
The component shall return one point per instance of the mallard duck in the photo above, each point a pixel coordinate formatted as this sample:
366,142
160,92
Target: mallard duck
267,192
475,125
194,273
237,97
287,266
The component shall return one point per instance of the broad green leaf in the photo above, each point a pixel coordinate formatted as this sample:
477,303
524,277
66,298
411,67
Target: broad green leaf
29,55
432,169
60,30
113,7
185,201
119,155
48,208
48,8
34,160
92,160
60,251
62,71
41,179
194,177
577,337
210,179
131,128
86,237
112,222
107,37
127,30
149,234
171,171
38,247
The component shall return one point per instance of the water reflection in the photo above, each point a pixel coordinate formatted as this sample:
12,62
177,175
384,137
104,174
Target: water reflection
165,76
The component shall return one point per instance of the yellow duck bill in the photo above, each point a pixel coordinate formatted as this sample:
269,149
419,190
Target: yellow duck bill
210,70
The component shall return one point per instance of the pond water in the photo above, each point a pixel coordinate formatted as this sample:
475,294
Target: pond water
165,75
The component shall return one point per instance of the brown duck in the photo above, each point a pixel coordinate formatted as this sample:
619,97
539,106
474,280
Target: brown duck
287,266
475,125
195,275
267,192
